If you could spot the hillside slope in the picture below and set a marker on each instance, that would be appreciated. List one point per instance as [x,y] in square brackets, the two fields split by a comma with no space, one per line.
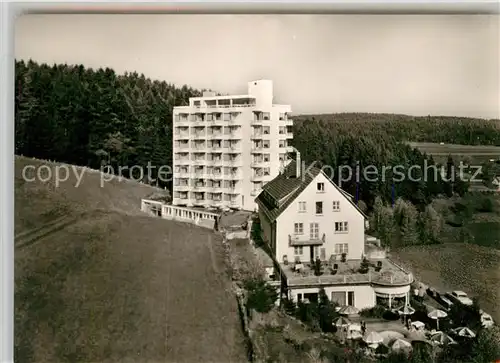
[98,281]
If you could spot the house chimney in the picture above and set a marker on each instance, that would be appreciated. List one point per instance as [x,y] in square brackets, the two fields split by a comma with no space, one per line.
[298,163]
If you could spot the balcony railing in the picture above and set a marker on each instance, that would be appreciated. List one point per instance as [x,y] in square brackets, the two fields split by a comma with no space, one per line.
[182,146]
[242,105]
[370,277]
[294,240]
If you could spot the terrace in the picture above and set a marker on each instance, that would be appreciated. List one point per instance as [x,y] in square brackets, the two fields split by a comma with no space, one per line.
[389,274]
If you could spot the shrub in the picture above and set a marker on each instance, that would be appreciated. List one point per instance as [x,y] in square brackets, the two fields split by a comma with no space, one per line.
[256,232]
[318,268]
[363,268]
[261,297]
[376,312]
[289,306]
[485,205]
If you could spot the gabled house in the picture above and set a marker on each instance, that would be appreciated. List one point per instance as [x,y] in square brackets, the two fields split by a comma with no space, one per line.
[311,213]
[307,220]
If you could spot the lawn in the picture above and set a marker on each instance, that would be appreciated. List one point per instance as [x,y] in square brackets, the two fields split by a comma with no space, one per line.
[113,285]
[477,154]
[457,266]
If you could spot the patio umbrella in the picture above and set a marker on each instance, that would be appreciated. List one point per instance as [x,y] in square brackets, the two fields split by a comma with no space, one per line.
[354,331]
[401,344]
[437,314]
[406,310]
[341,322]
[442,338]
[464,332]
[348,310]
[373,339]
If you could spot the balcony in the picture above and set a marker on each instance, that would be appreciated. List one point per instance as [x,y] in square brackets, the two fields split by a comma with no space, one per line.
[258,177]
[289,135]
[234,149]
[182,188]
[255,192]
[233,176]
[182,122]
[259,164]
[216,162]
[234,136]
[257,149]
[234,162]
[216,188]
[199,202]
[305,240]
[183,174]
[215,136]
[289,122]
[199,136]
[181,136]
[182,147]
[234,191]
[199,161]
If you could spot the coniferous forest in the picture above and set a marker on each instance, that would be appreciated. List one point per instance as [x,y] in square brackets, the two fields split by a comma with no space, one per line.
[87,117]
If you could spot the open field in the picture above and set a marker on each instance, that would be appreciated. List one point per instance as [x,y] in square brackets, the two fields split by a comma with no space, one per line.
[477,154]
[97,281]
[457,266]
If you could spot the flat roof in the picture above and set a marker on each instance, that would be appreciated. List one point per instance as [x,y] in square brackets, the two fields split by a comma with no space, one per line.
[347,273]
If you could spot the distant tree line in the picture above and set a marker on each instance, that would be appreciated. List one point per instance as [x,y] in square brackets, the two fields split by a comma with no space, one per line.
[357,144]
[87,117]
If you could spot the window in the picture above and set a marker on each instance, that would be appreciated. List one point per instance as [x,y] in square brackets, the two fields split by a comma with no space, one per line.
[282,143]
[210,117]
[227,117]
[282,130]
[266,115]
[267,158]
[341,226]
[316,252]
[282,116]
[302,207]
[350,298]
[298,228]
[266,144]
[339,297]
[314,230]
[341,248]
[336,206]
[266,130]
[320,187]
[319,207]
[298,250]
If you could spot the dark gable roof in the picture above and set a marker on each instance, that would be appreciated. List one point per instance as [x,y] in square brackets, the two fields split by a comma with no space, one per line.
[280,192]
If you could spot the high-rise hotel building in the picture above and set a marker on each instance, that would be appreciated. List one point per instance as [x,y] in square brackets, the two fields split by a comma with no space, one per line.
[225,148]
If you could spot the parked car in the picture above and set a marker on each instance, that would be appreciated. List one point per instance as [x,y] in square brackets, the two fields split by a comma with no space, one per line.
[486,319]
[460,297]
[443,300]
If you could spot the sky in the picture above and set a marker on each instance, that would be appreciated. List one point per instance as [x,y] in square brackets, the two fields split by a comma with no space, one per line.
[409,64]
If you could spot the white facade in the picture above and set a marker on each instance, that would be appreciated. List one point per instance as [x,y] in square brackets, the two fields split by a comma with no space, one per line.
[317,220]
[335,209]
[225,148]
